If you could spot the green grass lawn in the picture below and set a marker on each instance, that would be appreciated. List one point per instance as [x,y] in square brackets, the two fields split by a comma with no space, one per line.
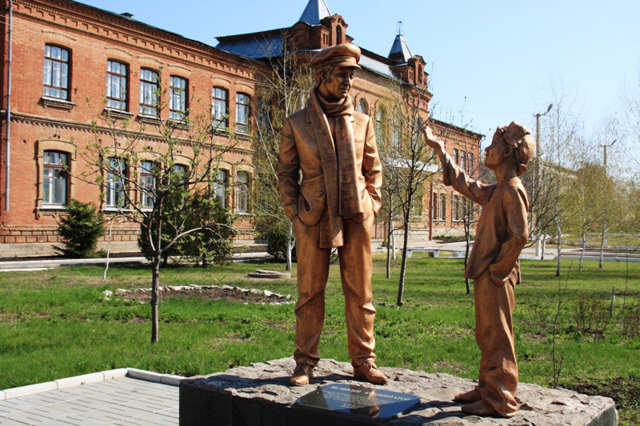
[56,323]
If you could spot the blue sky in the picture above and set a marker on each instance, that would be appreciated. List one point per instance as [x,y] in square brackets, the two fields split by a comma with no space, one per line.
[501,56]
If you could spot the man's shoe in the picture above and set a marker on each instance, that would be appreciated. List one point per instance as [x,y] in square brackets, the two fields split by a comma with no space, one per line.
[370,373]
[301,375]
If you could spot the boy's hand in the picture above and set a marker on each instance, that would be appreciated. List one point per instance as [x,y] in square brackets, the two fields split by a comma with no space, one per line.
[433,141]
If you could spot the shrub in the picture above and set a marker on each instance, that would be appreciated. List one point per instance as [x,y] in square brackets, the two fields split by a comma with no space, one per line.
[80,229]
[210,245]
[277,242]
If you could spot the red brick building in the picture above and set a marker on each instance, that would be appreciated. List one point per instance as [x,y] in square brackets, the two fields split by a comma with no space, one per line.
[65,63]
[71,63]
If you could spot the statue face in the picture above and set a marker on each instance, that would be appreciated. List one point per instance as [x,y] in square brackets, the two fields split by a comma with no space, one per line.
[337,84]
[495,153]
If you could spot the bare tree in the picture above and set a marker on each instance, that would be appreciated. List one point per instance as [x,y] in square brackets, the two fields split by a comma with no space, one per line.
[283,91]
[150,174]
[410,156]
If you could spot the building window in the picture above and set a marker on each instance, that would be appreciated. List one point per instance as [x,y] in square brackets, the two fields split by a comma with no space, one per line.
[362,106]
[220,188]
[242,113]
[56,72]
[116,85]
[443,207]
[264,115]
[463,160]
[470,163]
[177,98]
[180,172]
[242,192]
[380,118]
[116,172]
[149,81]
[54,179]
[338,35]
[220,107]
[455,202]
[147,184]
[417,203]
[456,156]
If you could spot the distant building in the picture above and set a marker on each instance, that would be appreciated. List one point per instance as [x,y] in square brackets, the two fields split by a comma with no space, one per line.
[61,60]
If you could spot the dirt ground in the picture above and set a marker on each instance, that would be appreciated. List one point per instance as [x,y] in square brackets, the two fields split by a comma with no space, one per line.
[204,293]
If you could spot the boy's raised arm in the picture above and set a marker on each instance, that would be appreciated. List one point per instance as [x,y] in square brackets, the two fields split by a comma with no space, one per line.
[452,174]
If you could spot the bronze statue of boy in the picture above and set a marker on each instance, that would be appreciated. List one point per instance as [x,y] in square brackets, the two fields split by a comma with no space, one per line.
[493,264]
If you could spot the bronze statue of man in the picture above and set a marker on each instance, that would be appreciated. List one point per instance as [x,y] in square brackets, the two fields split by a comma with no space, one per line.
[333,147]
[493,264]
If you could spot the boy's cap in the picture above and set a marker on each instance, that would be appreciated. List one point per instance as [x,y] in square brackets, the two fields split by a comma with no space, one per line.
[520,139]
[342,55]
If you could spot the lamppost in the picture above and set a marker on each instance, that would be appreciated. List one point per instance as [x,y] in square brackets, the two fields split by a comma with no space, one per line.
[536,182]
[604,206]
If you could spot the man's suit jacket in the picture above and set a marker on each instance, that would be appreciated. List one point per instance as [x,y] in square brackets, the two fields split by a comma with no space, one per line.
[300,151]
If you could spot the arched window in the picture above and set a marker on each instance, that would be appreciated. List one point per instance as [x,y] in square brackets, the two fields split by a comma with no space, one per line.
[242,192]
[114,183]
[220,102]
[177,97]
[420,73]
[443,207]
[220,187]
[117,85]
[338,34]
[147,184]
[242,112]
[56,72]
[381,116]
[149,81]
[362,106]
[54,179]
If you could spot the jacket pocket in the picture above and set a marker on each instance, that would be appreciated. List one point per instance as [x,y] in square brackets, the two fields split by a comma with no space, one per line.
[311,201]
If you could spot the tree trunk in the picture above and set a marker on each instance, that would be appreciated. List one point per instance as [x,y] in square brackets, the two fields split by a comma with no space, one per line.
[289,247]
[389,247]
[467,234]
[603,242]
[155,293]
[405,246]
[559,267]
[584,246]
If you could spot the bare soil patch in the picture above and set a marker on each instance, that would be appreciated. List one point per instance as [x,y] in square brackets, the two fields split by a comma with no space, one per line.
[206,293]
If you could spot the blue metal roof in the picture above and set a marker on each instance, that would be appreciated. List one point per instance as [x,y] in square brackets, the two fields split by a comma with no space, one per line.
[400,48]
[261,46]
[315,12]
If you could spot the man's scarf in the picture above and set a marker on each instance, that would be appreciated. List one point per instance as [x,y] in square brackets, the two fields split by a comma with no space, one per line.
[340,174]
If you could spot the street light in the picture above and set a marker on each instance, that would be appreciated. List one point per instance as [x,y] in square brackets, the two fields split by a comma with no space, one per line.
[604,212]
[536,181]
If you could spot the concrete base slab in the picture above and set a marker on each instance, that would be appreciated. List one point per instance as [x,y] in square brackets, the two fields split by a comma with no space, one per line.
[260,395]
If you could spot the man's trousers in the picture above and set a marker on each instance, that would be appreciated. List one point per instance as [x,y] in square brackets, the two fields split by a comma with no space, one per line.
[355,271]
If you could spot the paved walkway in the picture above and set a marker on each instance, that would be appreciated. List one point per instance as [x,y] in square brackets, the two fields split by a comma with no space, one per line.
[122,401]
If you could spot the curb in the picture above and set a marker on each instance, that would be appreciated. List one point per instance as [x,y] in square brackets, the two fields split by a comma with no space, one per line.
[85,379]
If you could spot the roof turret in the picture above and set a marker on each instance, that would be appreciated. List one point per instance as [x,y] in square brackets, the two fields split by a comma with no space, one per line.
[315,12]
[399,51]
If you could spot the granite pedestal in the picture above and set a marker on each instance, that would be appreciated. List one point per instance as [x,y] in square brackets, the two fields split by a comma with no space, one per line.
[259,395]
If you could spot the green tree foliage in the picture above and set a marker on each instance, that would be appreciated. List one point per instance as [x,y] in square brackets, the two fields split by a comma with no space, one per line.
[80,229]
[210,243]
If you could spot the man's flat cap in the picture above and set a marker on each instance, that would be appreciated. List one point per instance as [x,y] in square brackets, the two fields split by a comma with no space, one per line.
[342,55]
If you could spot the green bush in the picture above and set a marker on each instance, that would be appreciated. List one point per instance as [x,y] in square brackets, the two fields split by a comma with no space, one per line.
[80,229]
[277,242]
[210,245]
